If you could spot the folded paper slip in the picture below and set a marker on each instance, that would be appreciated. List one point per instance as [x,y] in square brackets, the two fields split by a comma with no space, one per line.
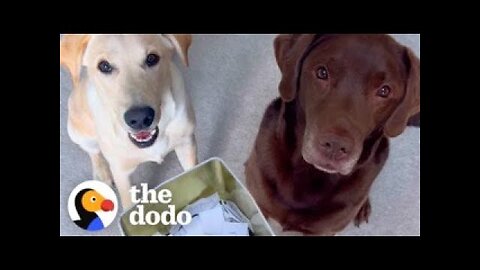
[213,216]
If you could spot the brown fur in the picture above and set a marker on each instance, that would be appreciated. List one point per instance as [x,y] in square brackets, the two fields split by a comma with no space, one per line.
[300,195]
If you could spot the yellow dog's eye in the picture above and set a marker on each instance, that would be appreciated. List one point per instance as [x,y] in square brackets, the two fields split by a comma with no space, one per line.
[105,67]
[152,59]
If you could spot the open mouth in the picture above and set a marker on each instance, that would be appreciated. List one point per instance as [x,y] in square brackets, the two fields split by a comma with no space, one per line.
[144,138]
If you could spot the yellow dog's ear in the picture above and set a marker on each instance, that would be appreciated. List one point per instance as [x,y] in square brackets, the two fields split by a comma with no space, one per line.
[72,48]
[181,42]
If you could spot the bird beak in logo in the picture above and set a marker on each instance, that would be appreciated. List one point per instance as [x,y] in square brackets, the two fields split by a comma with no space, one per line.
[107,205]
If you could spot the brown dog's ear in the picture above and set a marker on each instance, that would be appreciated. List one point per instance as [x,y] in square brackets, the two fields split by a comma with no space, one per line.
[410,104]
[72,48]
[181,44]
[288,51]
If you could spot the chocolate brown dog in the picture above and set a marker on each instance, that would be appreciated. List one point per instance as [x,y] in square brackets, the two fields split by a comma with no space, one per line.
[322,144]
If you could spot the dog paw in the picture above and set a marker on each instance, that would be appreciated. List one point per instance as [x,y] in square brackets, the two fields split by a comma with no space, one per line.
[363,213]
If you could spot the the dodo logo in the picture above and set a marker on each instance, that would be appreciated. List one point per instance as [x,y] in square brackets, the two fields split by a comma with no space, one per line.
[92,205]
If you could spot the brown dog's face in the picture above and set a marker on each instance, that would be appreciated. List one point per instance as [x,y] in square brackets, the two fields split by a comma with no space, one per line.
[349,85]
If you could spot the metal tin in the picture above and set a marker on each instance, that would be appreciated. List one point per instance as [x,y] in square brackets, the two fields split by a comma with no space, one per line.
[201,181]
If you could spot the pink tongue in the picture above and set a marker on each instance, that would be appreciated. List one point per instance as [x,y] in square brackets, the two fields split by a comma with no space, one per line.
[142,135]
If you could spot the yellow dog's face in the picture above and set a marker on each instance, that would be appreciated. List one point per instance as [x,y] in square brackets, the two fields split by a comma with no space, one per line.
[130,74]
[129,71]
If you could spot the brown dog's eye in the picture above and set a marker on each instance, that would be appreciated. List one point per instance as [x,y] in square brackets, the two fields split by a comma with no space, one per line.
[105,67]
[384,91]
[152,60]
[322,73]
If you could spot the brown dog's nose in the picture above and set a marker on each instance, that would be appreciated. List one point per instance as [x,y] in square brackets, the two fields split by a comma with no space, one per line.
[335,147]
